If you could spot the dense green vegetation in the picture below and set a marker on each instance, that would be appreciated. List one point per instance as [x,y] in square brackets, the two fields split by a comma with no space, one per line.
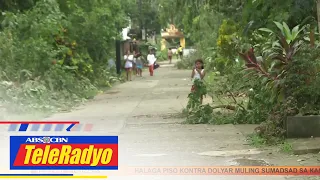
[262,58]
[54,53]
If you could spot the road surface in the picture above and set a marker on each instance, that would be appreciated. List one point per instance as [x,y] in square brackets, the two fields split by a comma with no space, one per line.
[141,113]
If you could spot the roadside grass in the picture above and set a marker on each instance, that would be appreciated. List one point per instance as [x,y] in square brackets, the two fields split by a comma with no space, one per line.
[286,147]
[259,142]
[256,141]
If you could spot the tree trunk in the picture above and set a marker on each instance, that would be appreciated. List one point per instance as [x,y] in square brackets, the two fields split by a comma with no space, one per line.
[312,38]
[318,13]
[172,18]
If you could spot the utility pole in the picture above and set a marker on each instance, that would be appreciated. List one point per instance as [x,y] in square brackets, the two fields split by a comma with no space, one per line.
[171,17]
[140,18]
[318,14]
[118,56]
[118,52]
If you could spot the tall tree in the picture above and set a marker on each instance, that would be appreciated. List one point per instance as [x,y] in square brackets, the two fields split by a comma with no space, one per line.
[318,14]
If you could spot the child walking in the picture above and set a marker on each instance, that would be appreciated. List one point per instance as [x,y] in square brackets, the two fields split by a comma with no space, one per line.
[197,74]
[139,64]
[128,65]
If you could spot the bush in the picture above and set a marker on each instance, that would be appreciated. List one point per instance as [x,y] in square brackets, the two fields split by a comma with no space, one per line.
[162,55]
[303,80]
[302,94]
[54,55]
[226,46]
[188,62]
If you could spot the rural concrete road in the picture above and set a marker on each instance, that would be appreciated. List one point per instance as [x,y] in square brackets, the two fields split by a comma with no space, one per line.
[140,113]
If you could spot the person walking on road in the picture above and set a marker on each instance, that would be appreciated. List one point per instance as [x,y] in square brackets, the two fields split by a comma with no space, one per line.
[180,52]
[128,65]
[197,75]
[151,60]
[170,55]
[139,64]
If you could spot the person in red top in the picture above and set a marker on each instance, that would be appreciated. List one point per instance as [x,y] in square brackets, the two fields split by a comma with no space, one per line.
[151,60]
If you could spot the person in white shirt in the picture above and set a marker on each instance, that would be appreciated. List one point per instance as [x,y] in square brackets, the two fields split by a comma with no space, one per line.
[128,65]
[198,73]
[151,60]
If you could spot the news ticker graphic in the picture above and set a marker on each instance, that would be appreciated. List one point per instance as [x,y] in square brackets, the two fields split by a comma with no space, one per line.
[226,170]
[200,171]
[64,153]
[49,176]
[47,126]
[51,127]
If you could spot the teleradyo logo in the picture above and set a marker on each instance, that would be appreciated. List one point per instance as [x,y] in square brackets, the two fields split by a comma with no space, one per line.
[46,140]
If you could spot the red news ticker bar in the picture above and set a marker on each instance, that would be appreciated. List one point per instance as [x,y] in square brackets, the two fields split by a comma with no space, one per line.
[39,122]
[227,170]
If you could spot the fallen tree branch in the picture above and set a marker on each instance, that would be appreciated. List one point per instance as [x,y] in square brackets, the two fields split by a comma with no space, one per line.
[235,101]
[232,96]
[233,108]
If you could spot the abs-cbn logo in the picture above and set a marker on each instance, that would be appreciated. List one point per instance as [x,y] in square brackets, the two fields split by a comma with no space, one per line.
[46,140]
